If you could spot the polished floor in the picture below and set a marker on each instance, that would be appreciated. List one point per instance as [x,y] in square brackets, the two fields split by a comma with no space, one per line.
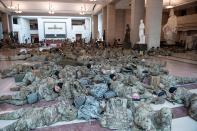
[176,66]
[191,55]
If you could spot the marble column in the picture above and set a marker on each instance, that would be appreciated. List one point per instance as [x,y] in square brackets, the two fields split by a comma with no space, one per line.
[104,21]
[5,25]
[153,22]
[137,13]
[111,21]
[10,22]
[95,26]
[120,24]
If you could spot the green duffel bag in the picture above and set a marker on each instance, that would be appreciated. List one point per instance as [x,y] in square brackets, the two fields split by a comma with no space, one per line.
[19,77]
[32,98]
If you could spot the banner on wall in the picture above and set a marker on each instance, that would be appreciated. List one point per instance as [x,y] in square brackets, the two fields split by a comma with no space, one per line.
[55,30]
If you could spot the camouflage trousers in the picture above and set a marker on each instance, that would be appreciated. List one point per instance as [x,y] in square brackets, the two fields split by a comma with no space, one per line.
[19,98]
[30,118]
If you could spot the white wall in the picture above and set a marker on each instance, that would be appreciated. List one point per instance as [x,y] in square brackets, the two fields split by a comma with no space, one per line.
[25,30]
[84,30]
[23,27]
[42,20]
[71,30]
[33,31]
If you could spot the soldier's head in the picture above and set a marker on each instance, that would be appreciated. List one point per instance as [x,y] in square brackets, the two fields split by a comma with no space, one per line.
[113,76]
[57,74]
[61,75]
[89,66]
[172,89]
[79,74]
[57,88]
[32,68]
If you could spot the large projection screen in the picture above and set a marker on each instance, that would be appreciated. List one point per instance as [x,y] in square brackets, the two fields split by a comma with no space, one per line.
[55,29]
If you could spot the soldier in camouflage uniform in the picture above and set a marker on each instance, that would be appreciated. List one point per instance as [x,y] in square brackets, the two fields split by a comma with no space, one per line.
[48,90]
[19,98]
[12,71]
[162,119]
[117,116]
[146,119]
[28,85]
[30,118]
[72,89]
[142,118]
[171,81]
[193,106]
[44,88]
[127,91]
[69,73]
[90,109]
[183,96]
[28,79]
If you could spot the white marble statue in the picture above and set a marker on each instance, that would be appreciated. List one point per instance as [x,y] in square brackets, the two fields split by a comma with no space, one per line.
[141,33]
[170,29]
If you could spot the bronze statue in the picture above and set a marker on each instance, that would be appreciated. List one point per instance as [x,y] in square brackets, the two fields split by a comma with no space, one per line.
[127,42]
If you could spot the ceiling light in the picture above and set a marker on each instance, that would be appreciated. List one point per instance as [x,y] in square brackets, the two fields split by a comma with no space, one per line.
[82,12]
[92,0]
[11,6]
[169,6]
[18,11]
[51,11]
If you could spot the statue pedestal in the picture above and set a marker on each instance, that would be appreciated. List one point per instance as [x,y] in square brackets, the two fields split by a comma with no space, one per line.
[140,47]
[127,45]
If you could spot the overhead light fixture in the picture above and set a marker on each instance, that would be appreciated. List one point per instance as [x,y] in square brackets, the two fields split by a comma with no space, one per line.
[18,11]
[82,13]
[92,0]
[51,10]
[169,6]
[83,10]
[11,7]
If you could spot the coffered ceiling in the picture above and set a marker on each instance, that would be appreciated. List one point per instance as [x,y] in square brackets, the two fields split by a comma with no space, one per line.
[72,7]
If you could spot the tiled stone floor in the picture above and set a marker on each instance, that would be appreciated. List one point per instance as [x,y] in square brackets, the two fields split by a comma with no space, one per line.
[191,55]
[82,126]
[180,67]
[181,121]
